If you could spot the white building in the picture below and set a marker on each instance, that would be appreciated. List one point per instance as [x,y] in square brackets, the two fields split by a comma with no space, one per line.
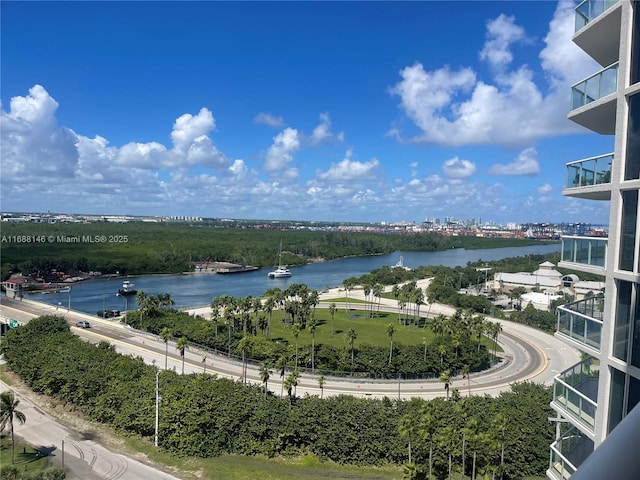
[595,395]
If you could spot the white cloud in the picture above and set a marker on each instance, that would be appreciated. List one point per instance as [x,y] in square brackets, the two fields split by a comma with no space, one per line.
[269,119]
[456,108]
[458,168]
[501,33]
[322,132]
[280,153]
[347,169]
[187,128]
[32,142]
[526,163]
[545,189]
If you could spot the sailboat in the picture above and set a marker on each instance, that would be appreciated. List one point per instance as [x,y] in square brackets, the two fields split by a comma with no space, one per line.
[281,271]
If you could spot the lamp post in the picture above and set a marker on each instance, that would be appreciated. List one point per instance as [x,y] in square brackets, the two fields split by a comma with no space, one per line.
[63,451]
[69,304]
[157,404]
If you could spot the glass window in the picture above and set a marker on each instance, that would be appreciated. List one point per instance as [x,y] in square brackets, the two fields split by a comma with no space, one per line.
[634,393]
[623,320]
[635,44]
[628,229]
[632,165]
[635,314]
[616,403]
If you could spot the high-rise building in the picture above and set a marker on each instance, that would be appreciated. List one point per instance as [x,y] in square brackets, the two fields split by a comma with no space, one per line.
[595,395]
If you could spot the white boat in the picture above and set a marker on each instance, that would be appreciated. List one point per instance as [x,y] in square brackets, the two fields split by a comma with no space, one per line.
[281,271]
[128,288]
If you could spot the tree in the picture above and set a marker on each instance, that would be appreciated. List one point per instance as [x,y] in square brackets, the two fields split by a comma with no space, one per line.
[295,330]
[391,330]
[445,377]
[281,366]
[332,311]
[321,382]
[265,373]
[9,411]
[350,338]
[312,328]
[243,345]
[466,373]
[166,335]
[181,345]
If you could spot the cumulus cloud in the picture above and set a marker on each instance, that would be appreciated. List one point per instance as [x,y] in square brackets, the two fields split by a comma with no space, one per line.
[187,128]
[526,163]
[501,33]
[280,153]
[322,132]
[269,119]
[32,142]
[348,169]
[458,168]
[454,108]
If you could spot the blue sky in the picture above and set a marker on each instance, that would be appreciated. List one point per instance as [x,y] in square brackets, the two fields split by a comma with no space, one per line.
[327,111]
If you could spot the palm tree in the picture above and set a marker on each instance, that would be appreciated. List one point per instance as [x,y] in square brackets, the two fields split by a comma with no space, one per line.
[407,428]
[243,345]
[321,382]
[204,364]
[391,330]
[166,335]
[445,377]
[466,373]
[181,345]
[295,330]
[350,338]
[9,411]
[332,311]
[442,350]
[312,328]
[265,373]
[281,366]
[428,427]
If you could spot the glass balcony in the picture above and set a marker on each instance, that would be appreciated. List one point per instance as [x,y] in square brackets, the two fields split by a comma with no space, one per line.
[591,251]
[600,85]
[582,321]
[575,392]
[568,453]
[589,172]
[589,10]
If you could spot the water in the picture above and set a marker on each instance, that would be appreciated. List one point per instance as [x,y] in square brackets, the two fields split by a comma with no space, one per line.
[198,289]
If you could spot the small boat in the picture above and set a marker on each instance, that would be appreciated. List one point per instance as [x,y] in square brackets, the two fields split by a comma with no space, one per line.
[128,288]
[281,271]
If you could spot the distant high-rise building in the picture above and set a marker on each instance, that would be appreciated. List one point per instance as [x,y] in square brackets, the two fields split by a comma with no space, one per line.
[595,395]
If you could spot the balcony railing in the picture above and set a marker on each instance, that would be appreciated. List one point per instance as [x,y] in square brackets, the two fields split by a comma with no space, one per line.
[589,10]
[568,453]
[589,172]
[590,251]
[595,87]
[582,321]
[575,392]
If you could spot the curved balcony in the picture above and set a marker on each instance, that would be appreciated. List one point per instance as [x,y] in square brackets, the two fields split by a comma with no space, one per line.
[575,392]
[593,101]
[589,178]
[581,323]
[587,254]
[568,453]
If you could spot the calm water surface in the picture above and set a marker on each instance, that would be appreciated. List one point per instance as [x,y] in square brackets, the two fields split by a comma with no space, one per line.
[198,289]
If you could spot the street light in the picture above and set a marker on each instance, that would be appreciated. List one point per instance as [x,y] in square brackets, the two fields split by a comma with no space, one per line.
[157,403]
[69,304]
[63,451]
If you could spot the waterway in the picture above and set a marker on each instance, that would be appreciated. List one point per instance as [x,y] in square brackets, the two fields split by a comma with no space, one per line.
[197,289]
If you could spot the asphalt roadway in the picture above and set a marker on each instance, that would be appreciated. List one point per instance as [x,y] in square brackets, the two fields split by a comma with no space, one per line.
[529,355]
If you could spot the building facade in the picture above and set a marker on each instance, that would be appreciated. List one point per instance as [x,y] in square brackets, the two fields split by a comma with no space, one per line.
[594,396]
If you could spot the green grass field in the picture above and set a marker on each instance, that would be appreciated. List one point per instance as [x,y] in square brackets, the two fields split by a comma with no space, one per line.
[25,455]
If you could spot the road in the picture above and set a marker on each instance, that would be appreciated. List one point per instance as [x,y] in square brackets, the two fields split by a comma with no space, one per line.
[528,355]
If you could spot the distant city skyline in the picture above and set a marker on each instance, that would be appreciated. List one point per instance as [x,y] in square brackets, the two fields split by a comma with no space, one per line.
[312,111]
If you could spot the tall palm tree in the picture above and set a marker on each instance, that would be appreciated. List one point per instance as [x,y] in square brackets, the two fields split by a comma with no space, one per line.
[407,428]
[181,345]
[281,366]
[350,338]
[166,335]
[295,330]
[391,330]
[445,377]
[243,345]
[466,373]
[321,382]
[9,411]
[428,427]
[332,311]
[312,328]
[265,373]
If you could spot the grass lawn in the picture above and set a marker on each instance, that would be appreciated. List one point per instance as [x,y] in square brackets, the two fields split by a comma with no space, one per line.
[25,455]
[370,330]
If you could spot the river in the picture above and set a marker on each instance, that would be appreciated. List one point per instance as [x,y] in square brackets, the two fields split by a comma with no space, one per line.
[197,289]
